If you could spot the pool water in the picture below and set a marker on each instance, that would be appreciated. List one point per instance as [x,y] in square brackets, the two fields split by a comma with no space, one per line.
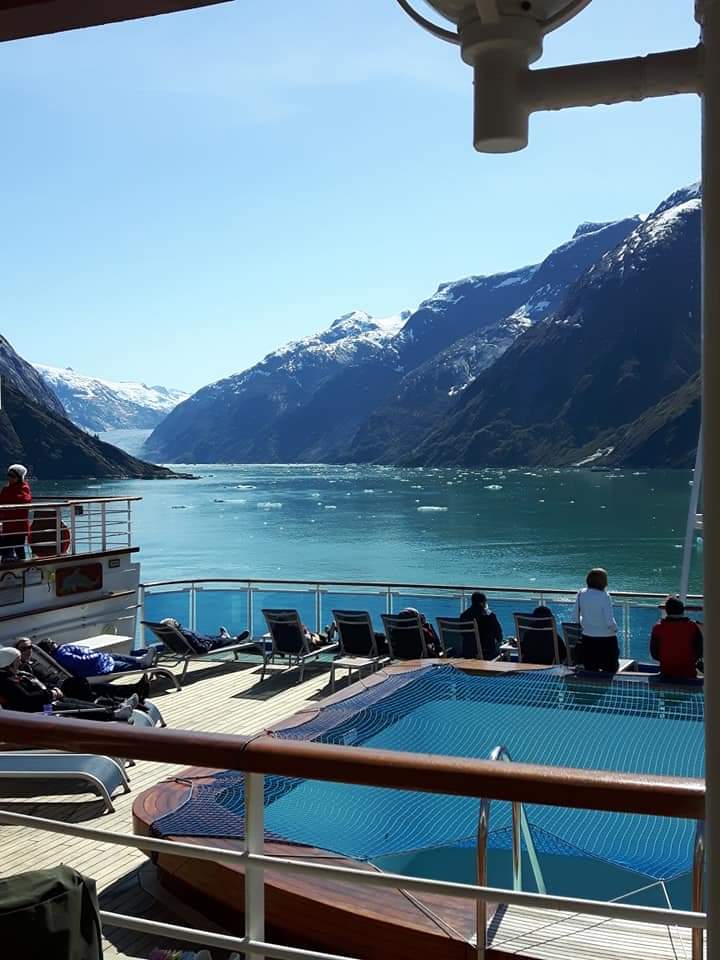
[540,717]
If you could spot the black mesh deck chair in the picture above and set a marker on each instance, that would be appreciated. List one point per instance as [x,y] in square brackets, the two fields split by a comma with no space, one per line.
[290,641]
[178,649]
[572,634]
[405,636]
[460,638]
[537,639]
[358,644]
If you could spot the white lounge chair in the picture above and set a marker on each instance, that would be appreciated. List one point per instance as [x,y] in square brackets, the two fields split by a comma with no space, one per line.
[101,775]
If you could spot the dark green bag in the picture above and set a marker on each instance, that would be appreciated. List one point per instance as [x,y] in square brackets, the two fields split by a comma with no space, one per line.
[50,915]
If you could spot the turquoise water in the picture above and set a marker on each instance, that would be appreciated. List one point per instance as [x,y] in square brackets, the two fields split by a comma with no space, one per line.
[485,527]
[539,718]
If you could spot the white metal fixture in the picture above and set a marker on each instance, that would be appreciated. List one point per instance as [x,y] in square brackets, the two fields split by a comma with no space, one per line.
[499,39]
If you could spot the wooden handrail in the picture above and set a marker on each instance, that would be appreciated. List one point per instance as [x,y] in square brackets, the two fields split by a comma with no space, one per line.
[457,776]
[388,585]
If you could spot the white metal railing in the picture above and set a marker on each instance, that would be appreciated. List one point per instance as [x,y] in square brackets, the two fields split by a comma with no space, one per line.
[72,526]
[315,598]
[254,863]
[263,755]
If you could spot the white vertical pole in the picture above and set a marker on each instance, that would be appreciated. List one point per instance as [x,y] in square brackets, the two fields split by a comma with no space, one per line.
[691,528]
[709,14]
[254,843]
[73,531]
[103,525]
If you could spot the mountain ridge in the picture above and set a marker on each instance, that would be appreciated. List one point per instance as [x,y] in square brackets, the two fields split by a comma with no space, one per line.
[98,404]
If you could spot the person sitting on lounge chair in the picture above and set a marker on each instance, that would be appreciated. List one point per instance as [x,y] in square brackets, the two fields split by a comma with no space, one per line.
[81,661]
[77,688]
[677,642]
[537,644]
[23,692]
[432,641]
[489,629]
[202,642]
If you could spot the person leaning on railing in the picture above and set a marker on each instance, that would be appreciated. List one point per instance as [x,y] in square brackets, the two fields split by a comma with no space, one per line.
[676,642]
[594,613]
[15,523]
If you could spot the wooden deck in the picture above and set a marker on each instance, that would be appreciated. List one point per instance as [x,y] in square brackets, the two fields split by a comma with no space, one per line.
[228,698]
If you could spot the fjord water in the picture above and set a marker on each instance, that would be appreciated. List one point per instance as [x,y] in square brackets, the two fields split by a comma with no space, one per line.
[519,527]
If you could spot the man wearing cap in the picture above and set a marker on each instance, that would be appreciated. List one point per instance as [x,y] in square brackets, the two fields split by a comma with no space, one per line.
[15,524]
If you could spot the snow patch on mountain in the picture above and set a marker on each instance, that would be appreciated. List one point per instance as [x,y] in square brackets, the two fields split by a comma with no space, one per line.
[97,404]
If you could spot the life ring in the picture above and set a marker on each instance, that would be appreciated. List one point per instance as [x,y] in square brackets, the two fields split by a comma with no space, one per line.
[43,535]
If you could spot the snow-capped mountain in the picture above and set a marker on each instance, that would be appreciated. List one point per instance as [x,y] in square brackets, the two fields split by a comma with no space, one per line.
[407,390]
[237,419]
[614,369]
[480,318]
[97,405]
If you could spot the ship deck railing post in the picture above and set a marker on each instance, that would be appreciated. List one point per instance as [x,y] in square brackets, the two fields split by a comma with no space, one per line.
[254,843]
[708,14]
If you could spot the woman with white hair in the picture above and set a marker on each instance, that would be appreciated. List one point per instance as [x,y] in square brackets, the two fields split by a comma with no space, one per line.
[15,523]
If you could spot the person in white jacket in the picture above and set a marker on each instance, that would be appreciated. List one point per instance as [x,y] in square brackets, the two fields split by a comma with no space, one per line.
[594,613]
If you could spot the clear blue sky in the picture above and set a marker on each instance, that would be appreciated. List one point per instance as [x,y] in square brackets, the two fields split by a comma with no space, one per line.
[181,195]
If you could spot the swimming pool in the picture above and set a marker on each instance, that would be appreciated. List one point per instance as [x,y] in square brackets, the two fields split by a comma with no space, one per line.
[540,716]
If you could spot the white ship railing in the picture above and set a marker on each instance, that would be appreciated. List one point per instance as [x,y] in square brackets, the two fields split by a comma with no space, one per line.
[635,611]
[600,790]
[72,527]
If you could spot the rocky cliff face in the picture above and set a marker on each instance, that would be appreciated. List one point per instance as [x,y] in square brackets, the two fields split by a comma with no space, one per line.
[53,448]
[25,378]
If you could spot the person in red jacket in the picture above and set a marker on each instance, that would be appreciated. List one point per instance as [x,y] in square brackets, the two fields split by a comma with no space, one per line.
[677,642]
[15,523]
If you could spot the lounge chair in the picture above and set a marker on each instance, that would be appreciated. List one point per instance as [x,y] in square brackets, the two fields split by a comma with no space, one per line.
[289,640]
[150,672]
[358,645]
[101,775]
[537,639]
[460,638]
[572,635]
[405,636]
[180,650]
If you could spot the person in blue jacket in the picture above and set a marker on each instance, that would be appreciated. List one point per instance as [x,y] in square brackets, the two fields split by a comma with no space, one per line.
[81,661]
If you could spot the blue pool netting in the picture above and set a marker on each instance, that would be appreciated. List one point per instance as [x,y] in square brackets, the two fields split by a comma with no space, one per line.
[540,717]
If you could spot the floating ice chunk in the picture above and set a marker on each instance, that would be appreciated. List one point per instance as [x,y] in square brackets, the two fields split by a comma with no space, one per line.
[330,506]
[432,509]
[269,505]
[245,486]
